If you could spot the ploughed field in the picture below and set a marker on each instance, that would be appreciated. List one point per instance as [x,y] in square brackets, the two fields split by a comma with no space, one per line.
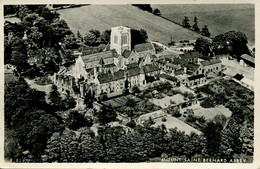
[218,17]
[103,17]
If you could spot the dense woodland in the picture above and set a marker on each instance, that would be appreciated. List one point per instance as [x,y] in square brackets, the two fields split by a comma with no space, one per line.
[36,130]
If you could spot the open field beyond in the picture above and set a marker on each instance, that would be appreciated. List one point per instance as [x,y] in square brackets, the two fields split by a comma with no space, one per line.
[103,17]
[219,18]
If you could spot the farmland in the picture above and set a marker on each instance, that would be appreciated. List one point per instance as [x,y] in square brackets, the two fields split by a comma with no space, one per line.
[218,17]
[102,17]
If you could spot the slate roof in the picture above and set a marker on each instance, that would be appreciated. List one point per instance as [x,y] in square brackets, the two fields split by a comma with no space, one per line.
[248,58]
[126,53]
[97,56]
[168,77]
[190,55]
[196,77]
[210,62]
[143,47]
[133,71]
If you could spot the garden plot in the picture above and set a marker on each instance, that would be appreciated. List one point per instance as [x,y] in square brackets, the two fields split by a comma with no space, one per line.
[168,100]
[173,122]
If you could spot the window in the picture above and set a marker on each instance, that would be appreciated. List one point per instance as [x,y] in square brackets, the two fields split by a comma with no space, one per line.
[115,39]
[124,39]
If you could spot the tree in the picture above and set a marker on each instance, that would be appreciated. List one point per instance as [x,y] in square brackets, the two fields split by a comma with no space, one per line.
[136,89]
[68,103]
[79,37]
[89,99]
[203,46]
[90,39]
[157,12]
[212,132]
[54,97]
[208,102]
[19,60]
[138,36]
[195,27]
[105,37]
[76,120]
[63,147]
[106,114]
[232,42]
[185,22]
[130,107]
[205,31]
[145,7]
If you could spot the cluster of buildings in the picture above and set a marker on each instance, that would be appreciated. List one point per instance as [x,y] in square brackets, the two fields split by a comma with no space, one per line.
[121,67]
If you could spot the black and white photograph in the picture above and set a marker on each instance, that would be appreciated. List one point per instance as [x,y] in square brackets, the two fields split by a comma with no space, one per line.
[149,82]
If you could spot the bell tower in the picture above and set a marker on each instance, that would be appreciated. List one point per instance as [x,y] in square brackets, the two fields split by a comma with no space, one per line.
[120,39]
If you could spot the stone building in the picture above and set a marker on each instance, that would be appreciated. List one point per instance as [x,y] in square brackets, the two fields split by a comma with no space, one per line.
[110,72]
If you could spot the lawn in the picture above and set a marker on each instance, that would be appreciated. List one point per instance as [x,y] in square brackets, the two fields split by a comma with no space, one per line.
[210,113]
[219,18]
[173,122]
[103,17]
[168,100]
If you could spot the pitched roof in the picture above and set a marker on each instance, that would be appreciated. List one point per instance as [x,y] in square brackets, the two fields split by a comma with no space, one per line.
[109,65]
[97,56]
[133,71]
[196,77]
[126,53]
[150,68]
[210,62]
[131,65]
[172,65]
[168,77]
[248,58]
[190,55]
[192,67]
[106,77]
[162,61]
[143,47]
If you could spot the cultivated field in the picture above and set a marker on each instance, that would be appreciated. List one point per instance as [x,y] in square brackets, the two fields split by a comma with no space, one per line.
[102,17]
[219,18]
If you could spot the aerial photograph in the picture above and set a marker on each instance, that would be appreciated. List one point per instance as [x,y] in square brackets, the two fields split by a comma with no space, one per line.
[129,83]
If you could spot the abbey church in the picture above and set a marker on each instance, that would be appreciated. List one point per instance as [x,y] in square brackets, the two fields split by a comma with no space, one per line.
[111,71]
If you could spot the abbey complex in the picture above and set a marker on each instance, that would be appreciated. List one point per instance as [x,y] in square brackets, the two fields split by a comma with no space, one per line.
[119,68]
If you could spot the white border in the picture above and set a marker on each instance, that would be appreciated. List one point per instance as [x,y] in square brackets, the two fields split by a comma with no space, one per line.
[253,165]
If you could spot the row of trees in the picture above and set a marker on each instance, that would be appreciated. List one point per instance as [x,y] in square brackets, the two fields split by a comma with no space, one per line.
[204,31]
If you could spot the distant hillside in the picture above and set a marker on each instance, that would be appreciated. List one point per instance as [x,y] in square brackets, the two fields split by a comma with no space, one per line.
[219,18]
[102,17]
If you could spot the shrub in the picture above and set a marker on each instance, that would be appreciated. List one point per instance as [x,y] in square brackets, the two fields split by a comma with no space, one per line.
[136,89]
[131,124]
[164,119]
[201,119]
[191,118]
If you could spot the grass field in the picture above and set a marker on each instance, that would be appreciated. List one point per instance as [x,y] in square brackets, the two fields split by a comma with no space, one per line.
[218,17]
[102,17]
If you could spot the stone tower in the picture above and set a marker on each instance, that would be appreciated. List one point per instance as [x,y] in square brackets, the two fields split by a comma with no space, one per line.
[120,39]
